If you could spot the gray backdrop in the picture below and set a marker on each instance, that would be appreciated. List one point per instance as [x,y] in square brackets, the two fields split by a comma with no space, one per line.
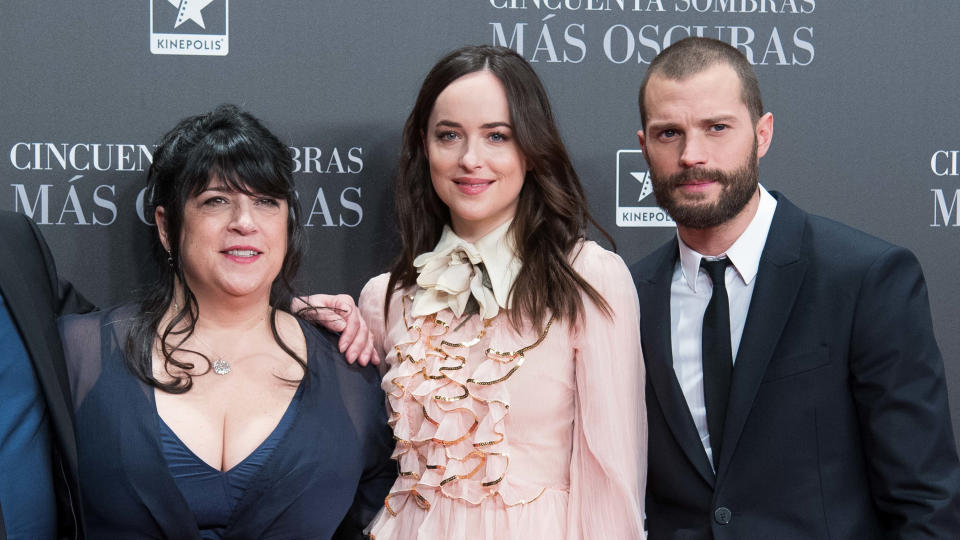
[863,93]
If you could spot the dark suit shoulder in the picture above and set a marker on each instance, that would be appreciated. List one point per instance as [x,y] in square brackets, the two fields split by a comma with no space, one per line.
[12,221]
[829,245]
[22,239]
[846,249]
[646,268]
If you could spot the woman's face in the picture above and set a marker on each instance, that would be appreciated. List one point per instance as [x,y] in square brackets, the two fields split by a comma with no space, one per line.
[231,244]
[476,167]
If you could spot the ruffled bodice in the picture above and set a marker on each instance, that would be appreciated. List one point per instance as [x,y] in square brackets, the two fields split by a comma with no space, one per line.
[490,426]
[449,401]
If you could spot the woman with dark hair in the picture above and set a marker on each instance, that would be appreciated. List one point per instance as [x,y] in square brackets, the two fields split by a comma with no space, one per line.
[515,381]
[209,410]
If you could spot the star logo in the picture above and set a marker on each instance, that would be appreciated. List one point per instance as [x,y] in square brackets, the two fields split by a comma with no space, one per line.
[201,27]
[190,10]
[635,207]
[646,188]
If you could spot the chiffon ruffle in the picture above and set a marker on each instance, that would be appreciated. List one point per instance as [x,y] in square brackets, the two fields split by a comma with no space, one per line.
[450,520]
[545,440]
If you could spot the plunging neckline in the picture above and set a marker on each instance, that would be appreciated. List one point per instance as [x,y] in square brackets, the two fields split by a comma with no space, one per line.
[199,460]
[286,411]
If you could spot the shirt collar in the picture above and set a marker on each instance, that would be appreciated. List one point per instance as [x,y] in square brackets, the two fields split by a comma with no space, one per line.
[500,260]
[439,289]
[745,252]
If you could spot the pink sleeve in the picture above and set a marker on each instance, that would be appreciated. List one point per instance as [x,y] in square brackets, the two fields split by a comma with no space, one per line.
[371,309]
[609,465]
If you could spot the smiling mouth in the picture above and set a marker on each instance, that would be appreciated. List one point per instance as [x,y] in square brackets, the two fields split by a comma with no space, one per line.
[242,252]
[472,186]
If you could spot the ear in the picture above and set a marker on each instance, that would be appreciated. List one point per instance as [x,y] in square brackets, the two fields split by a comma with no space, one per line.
[160,217]
[643,141]
[764,132]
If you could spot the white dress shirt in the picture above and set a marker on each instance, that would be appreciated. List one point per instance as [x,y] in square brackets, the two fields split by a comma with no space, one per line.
[690,292]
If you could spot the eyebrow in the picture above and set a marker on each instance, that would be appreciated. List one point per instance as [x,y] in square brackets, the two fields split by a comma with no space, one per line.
[722,119]
[489,125]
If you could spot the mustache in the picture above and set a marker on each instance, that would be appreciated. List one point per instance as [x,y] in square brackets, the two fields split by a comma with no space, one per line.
[688,175]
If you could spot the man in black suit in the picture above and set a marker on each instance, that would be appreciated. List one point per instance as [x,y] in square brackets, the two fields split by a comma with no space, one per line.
[794,386]
[39,495]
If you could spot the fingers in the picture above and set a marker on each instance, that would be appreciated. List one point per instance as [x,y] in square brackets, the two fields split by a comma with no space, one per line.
[354,333]
[339,313]
[323,309]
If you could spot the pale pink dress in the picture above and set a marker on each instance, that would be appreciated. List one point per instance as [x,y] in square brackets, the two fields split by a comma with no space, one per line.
[491,445]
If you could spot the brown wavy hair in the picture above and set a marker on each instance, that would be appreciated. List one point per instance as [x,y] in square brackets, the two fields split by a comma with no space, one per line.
[551,217]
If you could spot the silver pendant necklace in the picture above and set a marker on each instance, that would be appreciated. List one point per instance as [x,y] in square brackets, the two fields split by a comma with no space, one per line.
[221,366]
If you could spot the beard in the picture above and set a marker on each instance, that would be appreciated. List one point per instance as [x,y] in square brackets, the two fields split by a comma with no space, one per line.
[691,211]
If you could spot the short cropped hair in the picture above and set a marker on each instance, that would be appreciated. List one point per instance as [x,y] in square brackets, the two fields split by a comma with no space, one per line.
[694,55]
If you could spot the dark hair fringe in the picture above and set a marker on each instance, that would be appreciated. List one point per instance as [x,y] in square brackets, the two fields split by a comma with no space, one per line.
[233,146]
[552,214]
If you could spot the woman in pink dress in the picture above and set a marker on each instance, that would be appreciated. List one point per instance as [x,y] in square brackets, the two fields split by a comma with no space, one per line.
[514,374]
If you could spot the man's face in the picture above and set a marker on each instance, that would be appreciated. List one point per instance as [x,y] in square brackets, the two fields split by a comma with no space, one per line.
[702,146]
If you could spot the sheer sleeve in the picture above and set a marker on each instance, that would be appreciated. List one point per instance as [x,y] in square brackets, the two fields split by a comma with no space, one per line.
[371,309]
[82,349]
[359,387]
[608,467]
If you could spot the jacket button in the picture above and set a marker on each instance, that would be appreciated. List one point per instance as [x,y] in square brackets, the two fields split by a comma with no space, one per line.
[722,515]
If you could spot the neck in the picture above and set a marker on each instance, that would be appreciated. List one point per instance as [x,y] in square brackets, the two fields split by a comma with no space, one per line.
[472,232]
[717,240]
[230,314]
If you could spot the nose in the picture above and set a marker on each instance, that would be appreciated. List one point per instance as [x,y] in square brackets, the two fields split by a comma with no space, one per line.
[694,152]
[470,155]
[243,221]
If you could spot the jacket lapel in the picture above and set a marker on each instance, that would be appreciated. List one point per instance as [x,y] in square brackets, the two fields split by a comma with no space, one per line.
[779,279]
[652,277]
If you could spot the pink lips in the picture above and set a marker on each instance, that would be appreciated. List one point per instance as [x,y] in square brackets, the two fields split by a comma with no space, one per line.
[472,186]
[242,254]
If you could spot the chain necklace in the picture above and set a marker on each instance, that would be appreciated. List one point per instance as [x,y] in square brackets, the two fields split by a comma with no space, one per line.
[219,365]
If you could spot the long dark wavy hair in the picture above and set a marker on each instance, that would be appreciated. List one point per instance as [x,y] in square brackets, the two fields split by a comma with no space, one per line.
[551,216]
[232,146]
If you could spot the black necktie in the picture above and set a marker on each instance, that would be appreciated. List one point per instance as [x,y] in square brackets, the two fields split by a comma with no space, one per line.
[717,355]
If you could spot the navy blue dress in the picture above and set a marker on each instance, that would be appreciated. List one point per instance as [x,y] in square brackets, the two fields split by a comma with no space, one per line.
[324,474]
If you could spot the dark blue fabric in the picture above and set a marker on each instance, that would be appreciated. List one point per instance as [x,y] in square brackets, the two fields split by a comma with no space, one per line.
[26,483]
[211,494]
[326,478]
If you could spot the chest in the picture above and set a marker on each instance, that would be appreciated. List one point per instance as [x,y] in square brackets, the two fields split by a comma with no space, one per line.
[533,370]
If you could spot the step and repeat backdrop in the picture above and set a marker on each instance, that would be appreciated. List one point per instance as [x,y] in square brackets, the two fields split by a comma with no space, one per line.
[863,94]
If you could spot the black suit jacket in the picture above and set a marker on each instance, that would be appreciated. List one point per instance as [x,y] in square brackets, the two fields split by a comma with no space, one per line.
[35,298]
[838,425]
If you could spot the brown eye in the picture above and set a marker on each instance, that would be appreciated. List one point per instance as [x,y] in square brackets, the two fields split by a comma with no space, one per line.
[268,201]
[215,201]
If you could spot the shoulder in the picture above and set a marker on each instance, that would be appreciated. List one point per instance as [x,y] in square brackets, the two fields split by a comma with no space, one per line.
[321,343]
[12,222]
[597,265]
[326,359]
[827,243]
[838,248]
[374,291]
[358,386]
[118,318]
[646,268]
[89,338]
[22,244]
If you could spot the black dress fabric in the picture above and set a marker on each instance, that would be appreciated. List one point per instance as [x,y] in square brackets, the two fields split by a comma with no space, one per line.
[326,479]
